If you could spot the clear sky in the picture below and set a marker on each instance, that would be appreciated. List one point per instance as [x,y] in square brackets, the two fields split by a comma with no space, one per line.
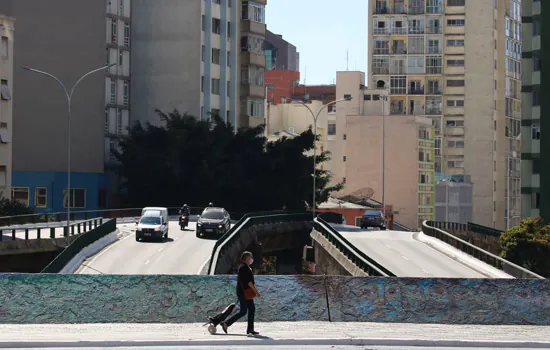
[323,31]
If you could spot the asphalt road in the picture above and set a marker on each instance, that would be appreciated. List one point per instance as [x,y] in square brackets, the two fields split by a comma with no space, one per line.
[405,256]
[182,254]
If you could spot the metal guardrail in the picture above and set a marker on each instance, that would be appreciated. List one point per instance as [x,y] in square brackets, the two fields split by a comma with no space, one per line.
[398,227]
[249,220]
[78,244]
[59,218]
[469,227]
[75,228]
[359,258]
[428,227]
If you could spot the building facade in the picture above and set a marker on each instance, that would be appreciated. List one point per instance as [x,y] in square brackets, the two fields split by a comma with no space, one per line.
[535,190]
[67,47]
[445,60]
[453,199]
[252,64]
[7,34]
[280,54]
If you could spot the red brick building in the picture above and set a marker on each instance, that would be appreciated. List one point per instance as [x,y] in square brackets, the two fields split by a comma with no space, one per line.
[280,84]
[325,93]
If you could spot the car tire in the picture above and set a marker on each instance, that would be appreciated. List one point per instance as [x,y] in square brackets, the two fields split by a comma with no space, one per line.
[383,228]
[197,234]
[137,239]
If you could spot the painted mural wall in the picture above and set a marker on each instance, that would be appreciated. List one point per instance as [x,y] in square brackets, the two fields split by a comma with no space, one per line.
[183,299]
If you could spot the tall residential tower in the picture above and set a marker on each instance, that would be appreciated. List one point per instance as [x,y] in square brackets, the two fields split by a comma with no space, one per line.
[458,62]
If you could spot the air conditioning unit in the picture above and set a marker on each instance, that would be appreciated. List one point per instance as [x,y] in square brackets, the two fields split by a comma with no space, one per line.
[292,129]
[381,83]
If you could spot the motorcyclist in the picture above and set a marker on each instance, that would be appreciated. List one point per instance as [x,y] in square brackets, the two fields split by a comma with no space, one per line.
[210,205]
[185,210]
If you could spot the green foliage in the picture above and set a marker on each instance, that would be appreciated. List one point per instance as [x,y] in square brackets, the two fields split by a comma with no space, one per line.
[528,245]
[10,207]
[196,162]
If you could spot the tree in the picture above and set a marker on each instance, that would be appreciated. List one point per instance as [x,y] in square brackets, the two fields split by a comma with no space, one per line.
[196,162]
[9,207]
[528,245]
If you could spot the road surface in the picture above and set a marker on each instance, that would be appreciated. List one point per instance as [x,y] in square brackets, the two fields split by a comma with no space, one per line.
[403,255]
[182,254]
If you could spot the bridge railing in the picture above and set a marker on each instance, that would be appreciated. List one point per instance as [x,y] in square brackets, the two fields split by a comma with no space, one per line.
[42,231]
[469,227]
[359,258]
[58,219]
[249,220]
[429,228]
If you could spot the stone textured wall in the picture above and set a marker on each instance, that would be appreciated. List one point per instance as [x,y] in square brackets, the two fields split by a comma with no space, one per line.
[183,299]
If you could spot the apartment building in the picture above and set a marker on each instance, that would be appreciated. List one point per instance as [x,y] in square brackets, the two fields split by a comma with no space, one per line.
[67,46]
[362,130]
[252,63]
[203,58]
[7,34]
[280,54]
[458,63]
[535,164]
[117,86]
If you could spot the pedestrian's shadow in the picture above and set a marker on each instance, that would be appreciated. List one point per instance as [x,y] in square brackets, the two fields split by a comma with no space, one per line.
[263,337]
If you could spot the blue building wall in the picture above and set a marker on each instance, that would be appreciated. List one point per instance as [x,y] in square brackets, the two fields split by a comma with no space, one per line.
[56,182]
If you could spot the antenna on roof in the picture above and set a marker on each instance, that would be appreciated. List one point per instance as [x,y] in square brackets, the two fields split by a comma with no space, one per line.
[347,60]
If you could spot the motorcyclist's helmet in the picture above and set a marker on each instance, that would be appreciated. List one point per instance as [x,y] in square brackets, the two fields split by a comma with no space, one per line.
[210,204]
[185,205]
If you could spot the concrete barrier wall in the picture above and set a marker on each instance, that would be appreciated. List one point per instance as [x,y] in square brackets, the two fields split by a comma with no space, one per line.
[184,299]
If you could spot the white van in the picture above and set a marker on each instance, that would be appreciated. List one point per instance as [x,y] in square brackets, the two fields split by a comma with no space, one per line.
[163,211]
[153,224]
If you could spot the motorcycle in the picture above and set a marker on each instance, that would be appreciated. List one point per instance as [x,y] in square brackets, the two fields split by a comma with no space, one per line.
[184,221]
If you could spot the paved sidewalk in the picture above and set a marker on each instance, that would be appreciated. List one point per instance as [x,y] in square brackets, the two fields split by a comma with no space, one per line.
[273,334]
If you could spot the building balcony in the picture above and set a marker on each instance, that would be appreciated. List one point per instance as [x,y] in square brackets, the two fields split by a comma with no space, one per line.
[433,111]
[381,31]
[416,11]
[433,92]
[399,51]
[399,30]
[382,10]
[250,90]
[254,27]
[416,30]
[397,111]
[434,30]
[380,70]
[383,51]
[433,70]
[250,58]
[416,91]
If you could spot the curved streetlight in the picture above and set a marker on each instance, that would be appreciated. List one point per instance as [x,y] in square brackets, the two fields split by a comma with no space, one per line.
[69,99]
[315,116]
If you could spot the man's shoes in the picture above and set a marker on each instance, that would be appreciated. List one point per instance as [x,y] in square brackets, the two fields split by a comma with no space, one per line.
[252,333]
[224,327]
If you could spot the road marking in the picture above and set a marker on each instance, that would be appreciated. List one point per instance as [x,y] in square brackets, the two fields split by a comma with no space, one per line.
[147,262]
[425,271]
[387,246]
[97,256]
[404,257]
[160,250]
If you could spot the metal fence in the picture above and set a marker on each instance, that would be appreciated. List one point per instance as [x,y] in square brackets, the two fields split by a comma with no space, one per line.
[469,227]
[431,228]
[42,231]
[359,258]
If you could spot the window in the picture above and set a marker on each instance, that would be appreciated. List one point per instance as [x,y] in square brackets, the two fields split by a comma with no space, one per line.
[455,123]
[452,82]
[113,91]
[536,63]
[214,112]
[215,86]
[345,137]
[202,53]
[455,42]
[106,121]
[366,97]
[455,144]
[254,44]
[376,97]
[535,132]
[112,158]
[455,63]
[216,26]
[433,64]
[455,22]
[253,11]
[41,197]
[126,34]
[256,108]
[455,164]
[5,90]
[229,29]
[202,83]
[5,47]
[455,103]
[455,2]
[20,194]
[119,122]
[229,58]
[216,56]
[536,166]
[344,158]
[347,96]
[536,26]
[113,31]
[203,22]
[121,8]
[535,97]
[332,129]
[78,198]
[228,89]
[102,198]
[126,93]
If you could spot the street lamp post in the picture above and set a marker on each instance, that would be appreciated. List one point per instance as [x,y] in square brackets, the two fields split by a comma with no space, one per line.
[384,99]
[315,116]
[69,99]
